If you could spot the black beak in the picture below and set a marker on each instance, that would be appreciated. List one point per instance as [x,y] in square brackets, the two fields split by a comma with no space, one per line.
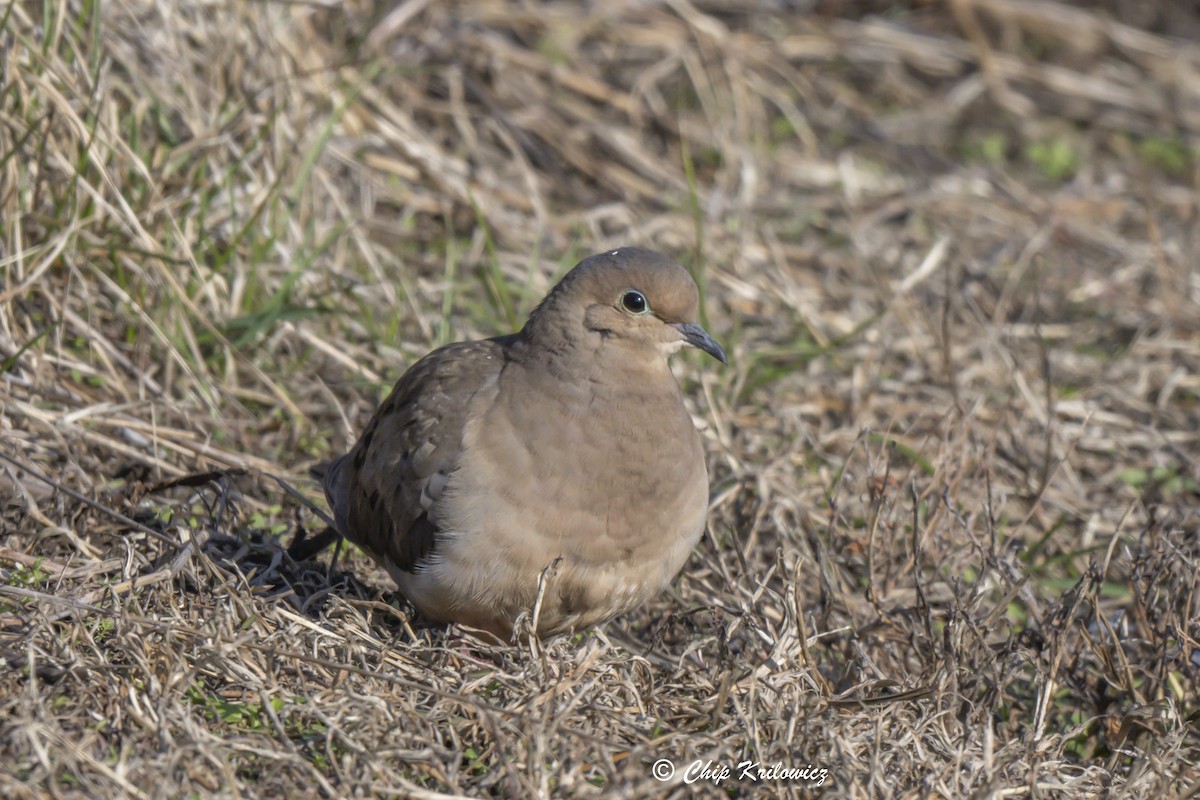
[696,336]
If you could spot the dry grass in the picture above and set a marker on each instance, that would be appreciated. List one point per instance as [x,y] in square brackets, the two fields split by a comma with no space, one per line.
[950,249]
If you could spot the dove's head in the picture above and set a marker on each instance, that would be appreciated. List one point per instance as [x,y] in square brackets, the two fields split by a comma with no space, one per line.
[629,303]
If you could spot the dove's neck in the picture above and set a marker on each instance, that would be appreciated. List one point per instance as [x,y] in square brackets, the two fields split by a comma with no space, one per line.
[590,360]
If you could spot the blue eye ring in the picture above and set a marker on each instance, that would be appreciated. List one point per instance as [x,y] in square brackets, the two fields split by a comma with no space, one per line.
[635,302]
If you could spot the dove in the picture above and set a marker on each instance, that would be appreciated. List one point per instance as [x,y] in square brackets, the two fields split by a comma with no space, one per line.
[556,466]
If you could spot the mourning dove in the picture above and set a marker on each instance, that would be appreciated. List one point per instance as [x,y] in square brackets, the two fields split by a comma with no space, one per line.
[566,443]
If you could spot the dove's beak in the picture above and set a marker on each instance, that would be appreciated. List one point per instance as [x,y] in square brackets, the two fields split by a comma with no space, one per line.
[696,336]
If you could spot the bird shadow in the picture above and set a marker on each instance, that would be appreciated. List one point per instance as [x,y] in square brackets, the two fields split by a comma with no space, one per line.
[281,561]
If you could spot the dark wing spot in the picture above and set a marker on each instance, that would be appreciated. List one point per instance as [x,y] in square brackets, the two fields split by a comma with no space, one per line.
[417,545]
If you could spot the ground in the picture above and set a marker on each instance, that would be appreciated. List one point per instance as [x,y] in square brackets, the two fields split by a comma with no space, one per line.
[949,247]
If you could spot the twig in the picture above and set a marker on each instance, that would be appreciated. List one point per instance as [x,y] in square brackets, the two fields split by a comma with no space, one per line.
[112,512]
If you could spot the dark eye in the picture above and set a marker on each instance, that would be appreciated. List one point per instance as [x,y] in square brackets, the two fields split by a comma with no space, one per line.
[634,302]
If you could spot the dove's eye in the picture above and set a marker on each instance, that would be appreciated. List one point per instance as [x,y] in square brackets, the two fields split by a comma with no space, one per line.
[634,302]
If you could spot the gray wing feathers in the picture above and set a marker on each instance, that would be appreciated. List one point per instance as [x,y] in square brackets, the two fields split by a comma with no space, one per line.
[384,490]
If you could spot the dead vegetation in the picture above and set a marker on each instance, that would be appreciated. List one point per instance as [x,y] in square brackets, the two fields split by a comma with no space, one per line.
[950,249]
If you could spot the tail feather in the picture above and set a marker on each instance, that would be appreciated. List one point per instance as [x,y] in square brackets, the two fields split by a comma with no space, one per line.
[335,479]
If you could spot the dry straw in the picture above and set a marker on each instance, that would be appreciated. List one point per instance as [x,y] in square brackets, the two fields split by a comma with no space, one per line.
[950,248]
